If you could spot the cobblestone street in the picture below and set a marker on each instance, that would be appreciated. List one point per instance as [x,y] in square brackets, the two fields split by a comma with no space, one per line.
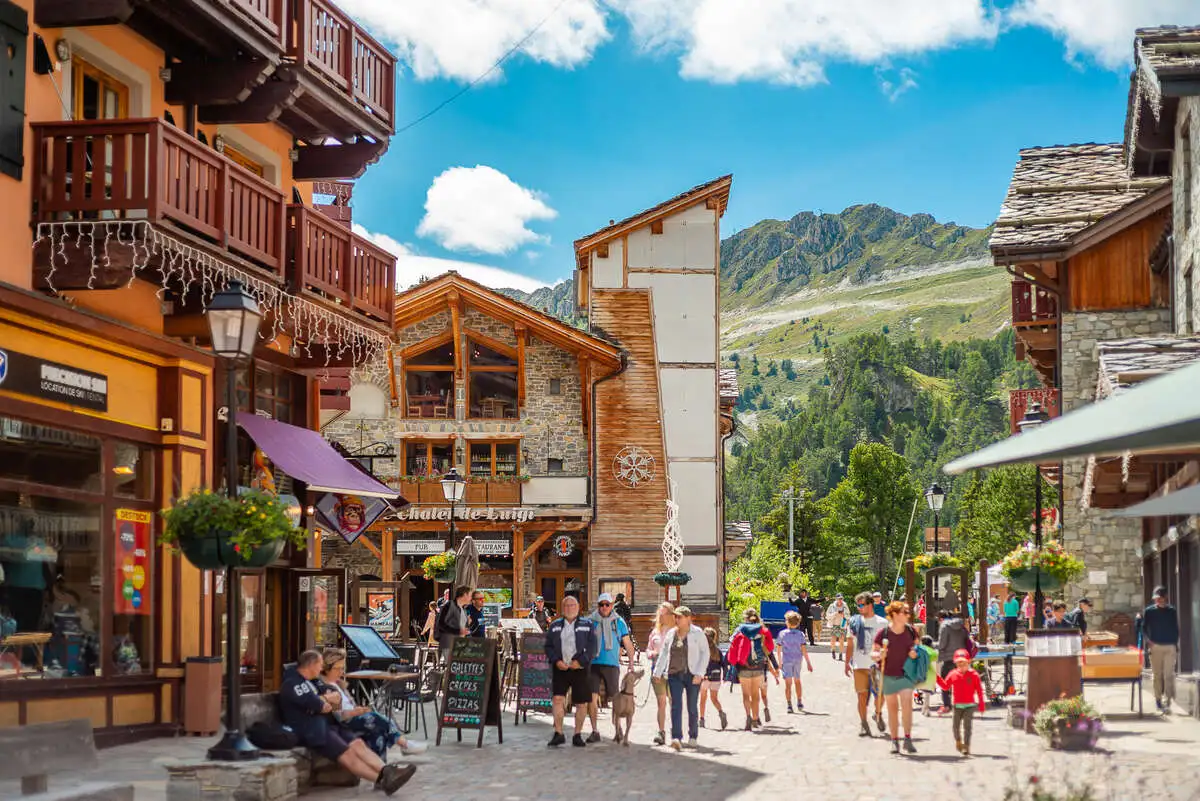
[1153,759]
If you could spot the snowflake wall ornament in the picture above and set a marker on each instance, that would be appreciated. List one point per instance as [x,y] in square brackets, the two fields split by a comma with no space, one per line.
[633,466]
[672,545]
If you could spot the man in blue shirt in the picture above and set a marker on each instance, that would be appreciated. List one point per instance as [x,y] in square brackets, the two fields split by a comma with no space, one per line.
[613,634]
[474,612]
[1160,636]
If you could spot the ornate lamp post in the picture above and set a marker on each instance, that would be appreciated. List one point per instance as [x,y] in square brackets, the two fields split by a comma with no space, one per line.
[1034,417]
[453,487]
[233,319]
[935,496]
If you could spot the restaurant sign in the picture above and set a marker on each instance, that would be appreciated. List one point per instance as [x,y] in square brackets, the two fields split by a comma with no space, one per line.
[420,547]
[506,514]
[36,377]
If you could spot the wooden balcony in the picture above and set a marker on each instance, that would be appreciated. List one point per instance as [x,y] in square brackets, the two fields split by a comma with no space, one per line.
[328,260]
[1019,401]
[1033,305]
[147,170]
[479,492]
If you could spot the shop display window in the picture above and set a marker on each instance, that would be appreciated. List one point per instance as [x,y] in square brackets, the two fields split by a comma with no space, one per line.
[492,459]
[44,455]
[428,458]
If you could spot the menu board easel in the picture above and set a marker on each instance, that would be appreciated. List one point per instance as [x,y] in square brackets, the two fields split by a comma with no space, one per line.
[471,692]
[534,688]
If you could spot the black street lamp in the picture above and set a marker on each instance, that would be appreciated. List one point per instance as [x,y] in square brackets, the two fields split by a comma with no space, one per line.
[935,496]
[233,319]
[453,487]
[1034,417]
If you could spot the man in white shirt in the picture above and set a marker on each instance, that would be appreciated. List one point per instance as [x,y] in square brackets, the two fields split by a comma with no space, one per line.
[859,644]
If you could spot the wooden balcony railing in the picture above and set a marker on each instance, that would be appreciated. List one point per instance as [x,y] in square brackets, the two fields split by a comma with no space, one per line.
[148,170]
[479,492]
[1033,305]
[326,40]
[1019,401]
[267,14]
[328,259]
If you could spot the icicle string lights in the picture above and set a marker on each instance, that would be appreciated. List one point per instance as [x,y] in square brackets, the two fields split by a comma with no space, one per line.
[192,270]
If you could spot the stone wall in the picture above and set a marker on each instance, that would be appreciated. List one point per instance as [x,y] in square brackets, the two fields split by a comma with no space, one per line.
[1187,232]
[1102,543]
[423,329]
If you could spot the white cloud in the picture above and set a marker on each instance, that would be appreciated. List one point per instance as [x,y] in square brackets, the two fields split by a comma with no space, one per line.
[412,267]
[791,41]
[1103,29]
[461,39]
[893,87]
[481,209]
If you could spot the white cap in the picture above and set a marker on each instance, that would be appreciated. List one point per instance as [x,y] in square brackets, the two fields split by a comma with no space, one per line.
[604,596]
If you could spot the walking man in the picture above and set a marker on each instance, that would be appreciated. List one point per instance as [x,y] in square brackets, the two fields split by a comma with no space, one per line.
[613,633]
[863,627]
[452,621]
[837,617]
[571,645]
[539,613]
[804,605]
[1160,633]
[1078,615]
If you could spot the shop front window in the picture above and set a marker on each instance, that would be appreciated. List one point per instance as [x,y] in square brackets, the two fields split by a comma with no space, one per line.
[428,458]
[44,455]
[491,459]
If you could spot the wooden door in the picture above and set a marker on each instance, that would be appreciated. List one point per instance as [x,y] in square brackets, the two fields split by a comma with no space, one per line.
[553,585]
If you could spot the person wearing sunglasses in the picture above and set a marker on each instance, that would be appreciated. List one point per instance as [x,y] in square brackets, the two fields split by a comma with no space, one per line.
[859,663]
[613,633]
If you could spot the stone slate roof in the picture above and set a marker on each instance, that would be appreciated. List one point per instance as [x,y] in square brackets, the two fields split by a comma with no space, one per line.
[1169,49]
[1058,192]
[728,383]
[1124,363]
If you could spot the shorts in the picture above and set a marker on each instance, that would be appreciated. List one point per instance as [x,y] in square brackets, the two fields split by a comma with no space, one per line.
[577,682]
[792,670]
[659,683]
[865,680]
[897,684]
[609,676]
[337,742]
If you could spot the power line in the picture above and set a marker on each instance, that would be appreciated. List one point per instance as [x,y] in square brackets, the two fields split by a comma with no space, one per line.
[490,70]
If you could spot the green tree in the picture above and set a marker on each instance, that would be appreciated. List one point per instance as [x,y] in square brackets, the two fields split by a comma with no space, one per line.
[997,511]
[872,506]
[772,369]
[975,382]
[789,371]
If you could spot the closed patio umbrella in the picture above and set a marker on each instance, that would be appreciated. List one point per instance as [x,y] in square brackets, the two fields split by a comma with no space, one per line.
[466,570]
[1160,415]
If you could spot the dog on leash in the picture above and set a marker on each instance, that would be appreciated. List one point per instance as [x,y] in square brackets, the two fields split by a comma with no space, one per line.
[624,705]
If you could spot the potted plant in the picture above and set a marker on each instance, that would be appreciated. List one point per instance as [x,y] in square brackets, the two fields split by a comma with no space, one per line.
[1050,567]
[1070,724]
[671,578]
[928,561]
[441,567]
[214,531]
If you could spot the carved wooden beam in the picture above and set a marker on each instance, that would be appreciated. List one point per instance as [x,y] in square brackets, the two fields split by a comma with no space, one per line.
[335,162]
[538,543]
[207,83]
[454,302]
[521,334]
[264,104]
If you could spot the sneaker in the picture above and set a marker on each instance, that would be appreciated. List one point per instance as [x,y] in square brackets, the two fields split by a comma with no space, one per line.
[790,710]
[578,741]
[865,731]
[766,714]
[895,746]
[702,723]
[413,747]
[692,742]
[676,745]
[660,738]
[799,706]
[724,720]
[958,746]
[1158,704]
[393,777]
[758,724]
[909,748]
[557,740]
[966,750]
[1166,710]
[879,722]
[594,737]
[749,723]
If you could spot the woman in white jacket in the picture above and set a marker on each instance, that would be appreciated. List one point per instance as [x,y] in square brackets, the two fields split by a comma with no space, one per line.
[683,661]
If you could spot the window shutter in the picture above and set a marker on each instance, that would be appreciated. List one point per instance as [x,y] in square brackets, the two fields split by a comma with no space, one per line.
[14,38]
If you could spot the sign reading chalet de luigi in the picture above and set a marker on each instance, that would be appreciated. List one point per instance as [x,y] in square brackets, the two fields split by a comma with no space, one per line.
[38,378]
[504,514]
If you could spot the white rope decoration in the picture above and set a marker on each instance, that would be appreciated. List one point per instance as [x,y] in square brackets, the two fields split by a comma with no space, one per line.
[192,269]
[672,545]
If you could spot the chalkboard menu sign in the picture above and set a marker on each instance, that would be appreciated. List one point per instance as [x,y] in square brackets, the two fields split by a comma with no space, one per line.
[534,688]
[471,694]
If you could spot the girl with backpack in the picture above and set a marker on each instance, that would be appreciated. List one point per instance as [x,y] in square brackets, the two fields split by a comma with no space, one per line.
[748,651]
[713,678]
[895,647]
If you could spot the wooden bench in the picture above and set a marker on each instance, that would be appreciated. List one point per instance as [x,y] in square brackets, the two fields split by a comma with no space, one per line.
[312,769]
[34,753]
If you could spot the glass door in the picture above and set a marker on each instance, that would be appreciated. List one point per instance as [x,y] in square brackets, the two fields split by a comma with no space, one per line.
[320,598]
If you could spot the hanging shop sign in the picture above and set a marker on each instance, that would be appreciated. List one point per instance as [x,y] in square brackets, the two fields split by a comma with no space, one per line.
[563,546]
[349,515]
[507,514]
[131,558]
[420,547]
[493,547]
[38,378]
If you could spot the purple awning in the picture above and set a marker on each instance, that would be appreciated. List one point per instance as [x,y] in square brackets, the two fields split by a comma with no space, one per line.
[306,456]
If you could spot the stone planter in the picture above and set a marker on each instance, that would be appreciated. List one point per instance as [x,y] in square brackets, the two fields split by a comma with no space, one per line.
[1016,715]
[1068,737]
[1028,580]
[213,551]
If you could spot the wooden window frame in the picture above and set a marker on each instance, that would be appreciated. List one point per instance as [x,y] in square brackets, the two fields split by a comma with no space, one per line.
[406,367]
[427,445]
[509,351]
[492,444]
[240,158]
[82,68]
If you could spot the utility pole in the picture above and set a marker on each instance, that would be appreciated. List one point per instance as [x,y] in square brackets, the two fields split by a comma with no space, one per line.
[789,495]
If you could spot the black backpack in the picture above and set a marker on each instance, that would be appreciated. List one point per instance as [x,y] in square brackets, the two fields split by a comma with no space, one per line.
[439,624]
[272,738]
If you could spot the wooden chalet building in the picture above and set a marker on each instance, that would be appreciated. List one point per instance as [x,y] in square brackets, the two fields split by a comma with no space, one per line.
[152,151]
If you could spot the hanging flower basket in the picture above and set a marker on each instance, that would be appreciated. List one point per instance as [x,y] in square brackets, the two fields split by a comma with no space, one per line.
[928,561]
[671,578]
[442,567]
[214,531]
[1051,566]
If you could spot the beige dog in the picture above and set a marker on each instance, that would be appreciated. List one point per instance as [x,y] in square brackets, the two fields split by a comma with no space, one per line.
[624,705]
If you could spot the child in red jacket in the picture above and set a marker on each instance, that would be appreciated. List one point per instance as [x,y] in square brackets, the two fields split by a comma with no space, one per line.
[966,693]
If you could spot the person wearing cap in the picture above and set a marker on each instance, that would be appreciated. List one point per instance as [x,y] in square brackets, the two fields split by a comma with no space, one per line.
[880,606]
[539,613]
[613,633]
[837,617]
[683,661]
[966,691]
[1160,636]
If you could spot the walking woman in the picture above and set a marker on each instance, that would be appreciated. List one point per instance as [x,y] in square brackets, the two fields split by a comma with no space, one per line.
[427,629]
[713,677]
[748,651]
[377,731]
[682,661]
[664,621]
[895,645]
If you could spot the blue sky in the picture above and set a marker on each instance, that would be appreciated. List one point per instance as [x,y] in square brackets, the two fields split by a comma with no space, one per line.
[614,105]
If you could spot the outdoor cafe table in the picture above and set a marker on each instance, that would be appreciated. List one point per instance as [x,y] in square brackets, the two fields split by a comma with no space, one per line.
[374,685]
